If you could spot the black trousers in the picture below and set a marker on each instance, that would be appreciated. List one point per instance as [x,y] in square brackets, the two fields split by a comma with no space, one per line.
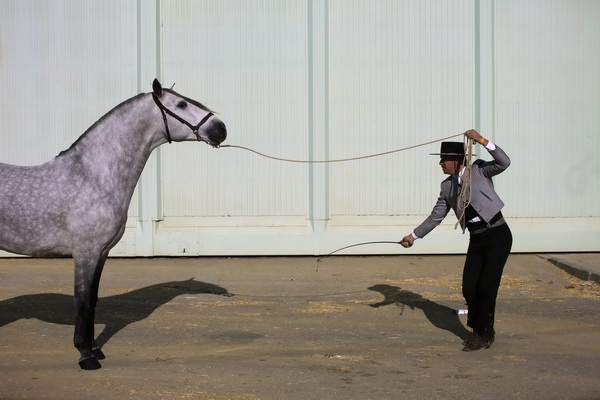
[486,256]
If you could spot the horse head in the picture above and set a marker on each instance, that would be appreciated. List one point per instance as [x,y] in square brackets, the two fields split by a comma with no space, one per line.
[192,286]
[187,119]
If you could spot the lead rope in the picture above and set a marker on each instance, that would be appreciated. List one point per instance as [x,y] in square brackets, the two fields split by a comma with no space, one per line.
[465,194]
[467,176]
[339,160]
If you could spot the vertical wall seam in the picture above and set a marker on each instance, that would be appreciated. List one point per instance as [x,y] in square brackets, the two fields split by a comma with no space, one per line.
[318,111]
[310,99]
[139,45]
[158,41]
[159,186]
[485,71]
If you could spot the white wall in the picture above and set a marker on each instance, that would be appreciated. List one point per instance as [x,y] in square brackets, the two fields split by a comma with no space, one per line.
[320,79]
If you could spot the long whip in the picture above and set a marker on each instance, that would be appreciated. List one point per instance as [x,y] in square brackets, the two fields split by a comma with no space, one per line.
[354,245]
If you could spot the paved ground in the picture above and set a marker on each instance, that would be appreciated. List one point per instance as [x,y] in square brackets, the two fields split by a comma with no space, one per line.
[292,328]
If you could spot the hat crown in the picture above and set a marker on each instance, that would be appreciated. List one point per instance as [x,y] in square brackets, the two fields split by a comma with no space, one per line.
[451,149]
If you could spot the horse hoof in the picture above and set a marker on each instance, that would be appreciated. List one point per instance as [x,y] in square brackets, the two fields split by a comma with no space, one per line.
[98,354]
[89,364]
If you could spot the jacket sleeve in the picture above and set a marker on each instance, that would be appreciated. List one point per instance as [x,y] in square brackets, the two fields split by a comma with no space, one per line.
[499,163]
[439,212]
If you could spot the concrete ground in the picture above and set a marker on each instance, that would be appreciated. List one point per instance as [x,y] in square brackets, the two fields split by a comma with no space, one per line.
[294,328]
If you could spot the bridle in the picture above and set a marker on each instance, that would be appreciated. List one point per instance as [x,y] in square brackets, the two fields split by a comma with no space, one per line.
[164,111]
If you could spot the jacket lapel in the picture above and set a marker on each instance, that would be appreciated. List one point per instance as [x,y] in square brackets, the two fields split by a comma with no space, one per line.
[460,204]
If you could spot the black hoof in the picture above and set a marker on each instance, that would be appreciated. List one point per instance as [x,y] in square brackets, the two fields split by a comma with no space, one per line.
[89,364]
[98,354]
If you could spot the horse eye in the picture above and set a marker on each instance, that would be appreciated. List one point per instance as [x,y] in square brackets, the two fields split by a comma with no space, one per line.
[182,104]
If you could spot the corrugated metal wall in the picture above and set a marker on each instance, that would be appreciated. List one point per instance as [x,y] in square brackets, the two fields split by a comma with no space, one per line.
[547,107]
[320,79]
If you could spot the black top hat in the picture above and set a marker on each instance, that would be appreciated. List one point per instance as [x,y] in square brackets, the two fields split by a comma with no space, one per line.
[451,149]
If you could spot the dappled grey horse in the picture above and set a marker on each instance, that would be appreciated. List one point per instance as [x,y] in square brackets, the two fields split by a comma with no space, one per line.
[76,204]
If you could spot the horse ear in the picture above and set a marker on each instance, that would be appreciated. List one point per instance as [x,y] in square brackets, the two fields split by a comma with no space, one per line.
[157,88]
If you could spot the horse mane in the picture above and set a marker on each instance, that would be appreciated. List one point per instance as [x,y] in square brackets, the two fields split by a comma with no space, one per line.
[191,101]
[99,122]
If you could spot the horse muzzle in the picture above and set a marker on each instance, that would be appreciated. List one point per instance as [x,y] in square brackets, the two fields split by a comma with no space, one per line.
[214,132]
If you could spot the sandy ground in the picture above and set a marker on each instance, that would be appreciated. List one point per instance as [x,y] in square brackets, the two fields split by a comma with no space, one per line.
[292,328]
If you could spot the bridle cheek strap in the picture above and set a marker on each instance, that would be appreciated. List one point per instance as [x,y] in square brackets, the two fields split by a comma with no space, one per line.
[164,111]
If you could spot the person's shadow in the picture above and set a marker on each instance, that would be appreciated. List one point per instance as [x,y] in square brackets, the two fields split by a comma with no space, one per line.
[115,312]
[440,316]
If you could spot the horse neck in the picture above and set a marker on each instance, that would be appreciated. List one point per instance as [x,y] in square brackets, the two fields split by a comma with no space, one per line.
[161,293]
[115,149]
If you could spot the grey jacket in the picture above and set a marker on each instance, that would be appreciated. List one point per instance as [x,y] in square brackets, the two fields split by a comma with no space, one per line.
[484,198]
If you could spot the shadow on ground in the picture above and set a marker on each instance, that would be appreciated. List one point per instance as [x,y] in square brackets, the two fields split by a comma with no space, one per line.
[115,312]
[440,316]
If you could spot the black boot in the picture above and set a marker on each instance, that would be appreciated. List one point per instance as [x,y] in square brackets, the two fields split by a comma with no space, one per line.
[475,342]
[488,336]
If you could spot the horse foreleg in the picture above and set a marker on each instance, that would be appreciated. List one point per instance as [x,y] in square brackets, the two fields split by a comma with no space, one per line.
[87,280]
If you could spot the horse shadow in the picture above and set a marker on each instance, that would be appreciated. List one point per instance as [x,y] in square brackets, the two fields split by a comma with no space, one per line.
[440,316]
[115,312]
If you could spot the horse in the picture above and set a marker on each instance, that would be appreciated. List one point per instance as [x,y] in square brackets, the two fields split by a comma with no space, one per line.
[76,204]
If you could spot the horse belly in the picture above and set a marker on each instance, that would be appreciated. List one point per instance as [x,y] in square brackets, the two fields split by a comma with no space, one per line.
[32,234]
[30,222]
